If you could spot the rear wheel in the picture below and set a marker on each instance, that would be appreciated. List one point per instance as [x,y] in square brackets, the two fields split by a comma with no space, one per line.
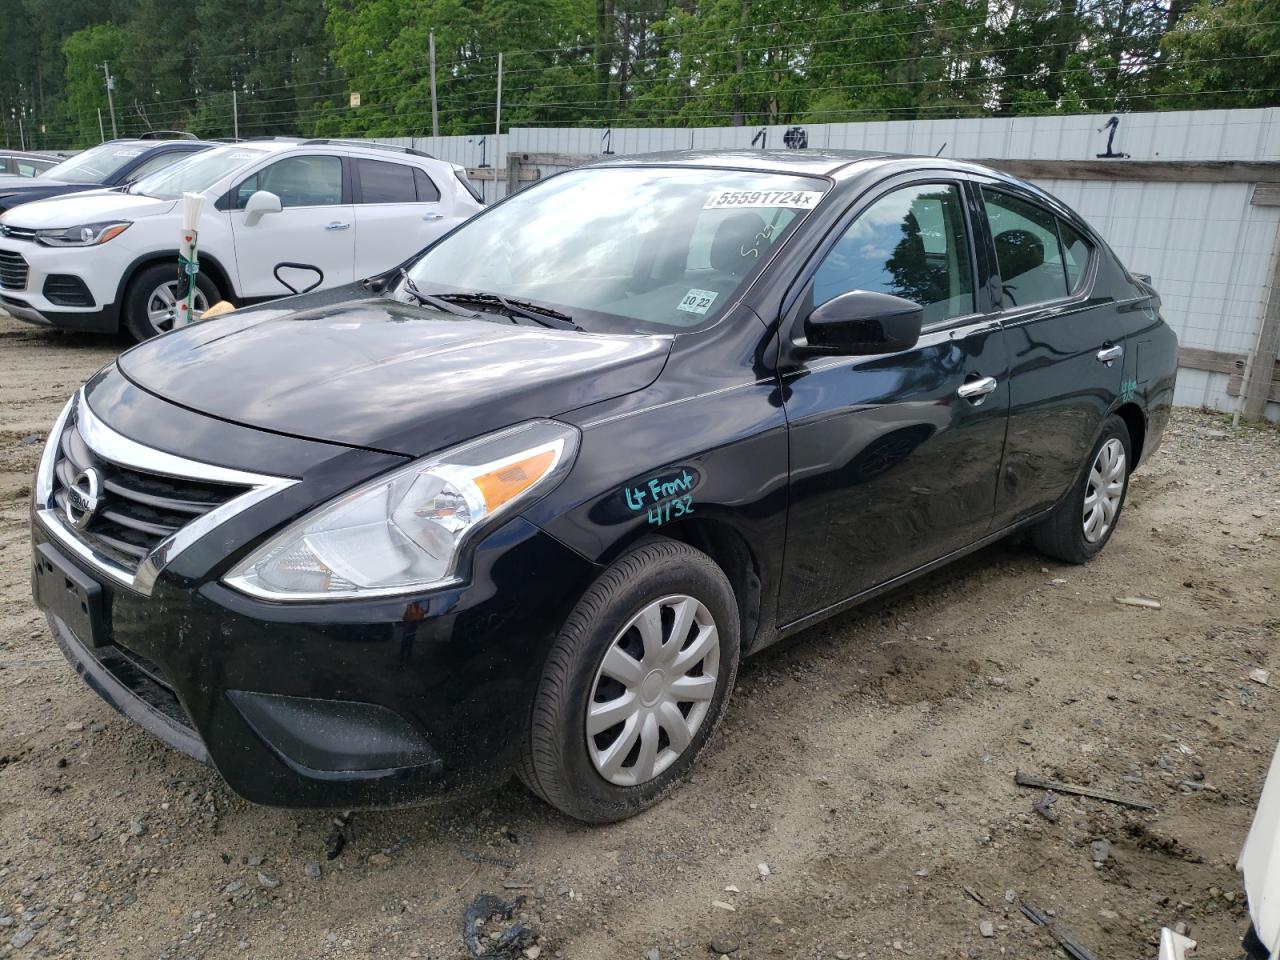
[635,684]
[151,305]
[1081,525]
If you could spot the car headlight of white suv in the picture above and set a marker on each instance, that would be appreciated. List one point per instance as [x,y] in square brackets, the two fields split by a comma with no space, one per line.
[85,235]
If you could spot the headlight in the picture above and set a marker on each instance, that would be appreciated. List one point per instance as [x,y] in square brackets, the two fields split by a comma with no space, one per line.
[405,531]
[87,235]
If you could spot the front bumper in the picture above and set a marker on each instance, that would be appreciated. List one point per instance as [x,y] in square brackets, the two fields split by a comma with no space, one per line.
[25,286]
[353,703]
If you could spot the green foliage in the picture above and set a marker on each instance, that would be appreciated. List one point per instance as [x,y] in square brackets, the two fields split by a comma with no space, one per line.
[292,65]
[85,52]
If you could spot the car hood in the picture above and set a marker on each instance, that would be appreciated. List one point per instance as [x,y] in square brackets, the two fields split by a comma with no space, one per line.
[387,375]
[89,207]
[11,181]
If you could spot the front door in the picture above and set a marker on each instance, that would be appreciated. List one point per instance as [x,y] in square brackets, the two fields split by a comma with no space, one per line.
[315,227]
[895,458]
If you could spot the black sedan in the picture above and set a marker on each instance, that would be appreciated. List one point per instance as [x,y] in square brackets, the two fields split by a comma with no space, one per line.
[525,505]
[112,164]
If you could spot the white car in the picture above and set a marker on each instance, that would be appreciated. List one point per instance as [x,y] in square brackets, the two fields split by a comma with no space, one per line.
[337,211]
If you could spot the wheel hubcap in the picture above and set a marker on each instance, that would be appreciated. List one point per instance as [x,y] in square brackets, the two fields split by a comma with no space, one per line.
[162,305]
[653,690]
[1105,491]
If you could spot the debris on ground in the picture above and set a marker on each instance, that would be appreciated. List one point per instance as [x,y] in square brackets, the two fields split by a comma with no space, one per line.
[336,838]
[495,944]
[1145,602]
[485,858]
[1100,850]
[1258,675]
[1044,806]
[1068,943]
[1056,786]
[976,897]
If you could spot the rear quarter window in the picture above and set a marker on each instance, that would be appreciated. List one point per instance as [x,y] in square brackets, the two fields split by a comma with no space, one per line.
[1076,254]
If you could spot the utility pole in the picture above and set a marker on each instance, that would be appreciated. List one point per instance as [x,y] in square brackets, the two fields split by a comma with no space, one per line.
[22,137]
[431,53]
[102,134]
[111,85]
[497,120]
[235,115]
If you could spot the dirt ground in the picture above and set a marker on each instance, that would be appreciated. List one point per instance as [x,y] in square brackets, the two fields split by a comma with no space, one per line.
[869,766]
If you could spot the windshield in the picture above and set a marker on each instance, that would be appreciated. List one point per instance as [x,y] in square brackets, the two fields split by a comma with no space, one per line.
[656,249]
[96,164]
[197,173]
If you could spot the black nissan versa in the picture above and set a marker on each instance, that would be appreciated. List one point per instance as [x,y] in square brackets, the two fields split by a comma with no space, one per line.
[525,504]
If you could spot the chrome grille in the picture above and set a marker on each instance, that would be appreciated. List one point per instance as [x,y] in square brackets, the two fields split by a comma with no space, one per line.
[17,233]
[138,510]
[13,270]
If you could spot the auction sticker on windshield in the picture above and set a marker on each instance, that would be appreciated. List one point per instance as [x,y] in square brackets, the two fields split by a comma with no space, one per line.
[746,199]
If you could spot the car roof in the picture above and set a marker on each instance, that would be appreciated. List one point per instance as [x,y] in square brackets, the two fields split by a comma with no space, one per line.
[804,162]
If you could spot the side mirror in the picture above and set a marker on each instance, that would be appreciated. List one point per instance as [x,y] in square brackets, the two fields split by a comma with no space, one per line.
[260,203]
[860,323]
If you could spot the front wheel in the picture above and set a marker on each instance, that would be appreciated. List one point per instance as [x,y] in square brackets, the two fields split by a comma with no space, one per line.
[151,305]
[1081,525]
[634,685]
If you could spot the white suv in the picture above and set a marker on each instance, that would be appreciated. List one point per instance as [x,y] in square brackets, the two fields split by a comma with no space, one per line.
[334,211]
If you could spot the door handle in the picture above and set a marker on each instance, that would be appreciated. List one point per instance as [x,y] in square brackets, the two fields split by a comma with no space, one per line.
[336,225]
[433,216]
[977,390]
[1109,355]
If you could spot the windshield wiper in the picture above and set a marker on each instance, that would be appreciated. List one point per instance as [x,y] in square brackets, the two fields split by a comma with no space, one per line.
[514,307]
[428,300]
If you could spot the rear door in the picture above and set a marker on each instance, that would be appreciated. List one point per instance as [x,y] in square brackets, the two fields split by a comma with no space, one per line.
[1059,339]
[398,212]
[892,466]
[313,227]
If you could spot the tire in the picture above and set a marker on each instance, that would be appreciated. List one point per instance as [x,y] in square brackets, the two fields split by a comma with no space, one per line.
[139,307]
[563,764]
[1065,535]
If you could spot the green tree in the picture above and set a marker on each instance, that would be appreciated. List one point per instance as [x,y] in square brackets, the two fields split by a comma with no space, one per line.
[1224,54]
[85,90]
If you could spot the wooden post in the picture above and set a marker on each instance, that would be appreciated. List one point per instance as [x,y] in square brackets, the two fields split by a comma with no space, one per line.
[1262,358]
[513,173]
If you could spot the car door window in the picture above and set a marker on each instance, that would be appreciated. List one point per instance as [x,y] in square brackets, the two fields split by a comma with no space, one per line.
[1076,253]
[26,168]
[910,243]
[428,192]
[1027,251]
[382,182]
[307,181]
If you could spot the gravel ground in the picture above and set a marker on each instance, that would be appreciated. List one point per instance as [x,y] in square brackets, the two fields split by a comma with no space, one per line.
[861,785]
